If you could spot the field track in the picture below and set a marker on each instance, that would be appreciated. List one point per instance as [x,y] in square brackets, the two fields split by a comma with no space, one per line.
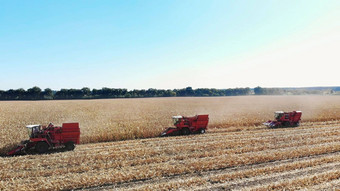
[257,158]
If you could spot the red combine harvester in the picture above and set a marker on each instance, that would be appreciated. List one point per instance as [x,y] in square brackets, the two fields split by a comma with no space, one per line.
[187,125]
[285,119]
[43,138]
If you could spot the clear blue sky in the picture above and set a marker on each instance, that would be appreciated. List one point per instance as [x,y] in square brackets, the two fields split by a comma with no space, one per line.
[169,44]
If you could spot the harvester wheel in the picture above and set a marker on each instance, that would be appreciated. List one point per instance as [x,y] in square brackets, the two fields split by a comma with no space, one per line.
[202,131]
[69,146]
[185,131]
[41,147]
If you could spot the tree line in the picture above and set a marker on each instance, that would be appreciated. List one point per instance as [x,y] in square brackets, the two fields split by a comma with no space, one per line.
[36,93]
[296,91]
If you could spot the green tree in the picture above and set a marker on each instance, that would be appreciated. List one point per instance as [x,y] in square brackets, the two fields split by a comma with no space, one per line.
[86,92]
[48,93]
[189,91]
[34,93]
[258,90]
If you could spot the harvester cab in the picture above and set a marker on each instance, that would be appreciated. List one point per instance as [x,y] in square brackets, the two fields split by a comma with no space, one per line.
[187,125]
[33,130]
[176,119]
[278,114]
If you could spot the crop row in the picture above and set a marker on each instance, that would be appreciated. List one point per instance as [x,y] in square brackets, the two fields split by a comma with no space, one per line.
[112,175]
[228,178]
[304,181]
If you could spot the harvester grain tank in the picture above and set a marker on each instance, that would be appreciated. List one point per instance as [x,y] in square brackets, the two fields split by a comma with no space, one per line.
[285,119]
[187,125]
[44,138]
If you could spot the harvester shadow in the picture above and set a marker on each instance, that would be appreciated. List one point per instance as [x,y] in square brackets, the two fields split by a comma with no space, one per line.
[32,152]
[52,151]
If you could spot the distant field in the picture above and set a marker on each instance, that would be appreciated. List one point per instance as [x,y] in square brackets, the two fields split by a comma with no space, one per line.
[122,119]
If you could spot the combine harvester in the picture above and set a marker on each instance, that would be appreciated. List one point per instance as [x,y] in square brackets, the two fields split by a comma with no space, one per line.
[187,125]
[285,119]
[44,138]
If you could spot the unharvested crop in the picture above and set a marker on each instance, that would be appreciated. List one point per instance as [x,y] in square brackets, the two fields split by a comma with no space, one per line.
[124,119]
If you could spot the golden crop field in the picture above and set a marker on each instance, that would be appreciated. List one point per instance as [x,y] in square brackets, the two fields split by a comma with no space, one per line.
[237,152]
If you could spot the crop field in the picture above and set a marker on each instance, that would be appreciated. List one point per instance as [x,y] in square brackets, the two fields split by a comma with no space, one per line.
[236,153]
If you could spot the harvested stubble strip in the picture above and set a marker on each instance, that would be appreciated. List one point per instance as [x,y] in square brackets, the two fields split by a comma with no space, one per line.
[221,149]
[114,146]
[128,173]
[302,182]
[227,176]
[304,126]
[175,185]
[92,166]
[247,147]
[220,146]
[80,164]
[255,148]
[156,151]
[329,185]
[228,161]
[276,177]
[230,136]
[253,182]
[187,141]
[273,169]
[213,144]
[264,133]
